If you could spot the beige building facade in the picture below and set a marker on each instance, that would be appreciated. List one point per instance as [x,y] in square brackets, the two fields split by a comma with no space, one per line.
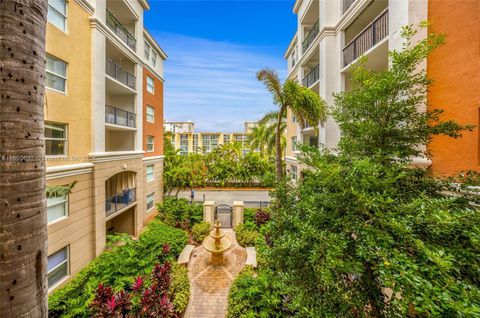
[330,38]
[93,129]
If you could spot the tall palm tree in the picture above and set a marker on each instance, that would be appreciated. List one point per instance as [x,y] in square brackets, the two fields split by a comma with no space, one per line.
[306,105]
[23,219]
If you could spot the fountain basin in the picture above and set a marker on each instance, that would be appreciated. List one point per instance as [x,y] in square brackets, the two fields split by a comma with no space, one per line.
[216,243]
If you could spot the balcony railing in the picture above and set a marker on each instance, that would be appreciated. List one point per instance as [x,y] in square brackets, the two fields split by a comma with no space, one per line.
[347,4]
[311,77]
[117,116]
[117,72]
[368,38]
[310,37]
[120,30]
[119,201]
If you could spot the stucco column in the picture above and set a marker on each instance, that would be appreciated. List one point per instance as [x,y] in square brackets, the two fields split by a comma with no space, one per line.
[238,207]
[208,211]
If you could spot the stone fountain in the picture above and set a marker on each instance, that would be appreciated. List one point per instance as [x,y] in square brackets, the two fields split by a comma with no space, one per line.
[216,243]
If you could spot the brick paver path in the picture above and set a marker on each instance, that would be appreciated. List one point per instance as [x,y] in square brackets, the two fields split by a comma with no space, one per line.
[209,285]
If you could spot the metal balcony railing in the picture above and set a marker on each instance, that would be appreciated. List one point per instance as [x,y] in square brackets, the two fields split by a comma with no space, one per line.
[311,77]
[119,116]
[347,4]
[310,37]
[120,30]
[368,38]
[117,72]
[120,201]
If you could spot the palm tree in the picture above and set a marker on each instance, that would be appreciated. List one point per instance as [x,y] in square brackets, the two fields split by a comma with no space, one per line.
[23,219]
[262,136]
[306,105]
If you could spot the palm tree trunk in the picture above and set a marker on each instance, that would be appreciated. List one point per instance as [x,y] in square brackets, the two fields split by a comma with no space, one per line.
[278,145]
[23,219]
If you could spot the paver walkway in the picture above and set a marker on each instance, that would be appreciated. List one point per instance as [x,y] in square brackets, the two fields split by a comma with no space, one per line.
[209,285]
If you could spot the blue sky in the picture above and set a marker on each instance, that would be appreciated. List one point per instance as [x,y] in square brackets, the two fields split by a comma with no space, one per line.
[214,50]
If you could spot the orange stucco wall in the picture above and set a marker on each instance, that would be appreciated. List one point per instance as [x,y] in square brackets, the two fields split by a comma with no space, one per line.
[455,70]
[155,100]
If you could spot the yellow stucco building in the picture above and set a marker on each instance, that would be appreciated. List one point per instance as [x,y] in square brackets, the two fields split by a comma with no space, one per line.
[96,54]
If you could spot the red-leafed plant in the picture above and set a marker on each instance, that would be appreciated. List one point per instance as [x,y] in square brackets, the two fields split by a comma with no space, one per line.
[261,217]
[140,300]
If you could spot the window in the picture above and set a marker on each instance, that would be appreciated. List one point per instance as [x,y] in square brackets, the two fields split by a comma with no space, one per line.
[294,57]
[226,139]
[150,85]
[210,142]
[294,119]
[150,175]
[195,143]
[150,201]
[150,114]
[150,143]
[147,50]
[294,143]
[55,139]
[57,13]
[56,74]
[154,59]
[293,173]
[57,208]
[184,144]
[58,266]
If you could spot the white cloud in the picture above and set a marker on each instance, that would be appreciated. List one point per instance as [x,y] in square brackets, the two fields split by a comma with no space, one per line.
[213,83]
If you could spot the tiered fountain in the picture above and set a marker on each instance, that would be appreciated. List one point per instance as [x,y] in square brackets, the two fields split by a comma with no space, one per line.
[216,243]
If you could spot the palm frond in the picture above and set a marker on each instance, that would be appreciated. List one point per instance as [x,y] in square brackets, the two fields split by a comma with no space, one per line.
[272,83]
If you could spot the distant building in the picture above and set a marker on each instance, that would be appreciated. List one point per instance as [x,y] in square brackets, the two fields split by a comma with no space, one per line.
[185,139]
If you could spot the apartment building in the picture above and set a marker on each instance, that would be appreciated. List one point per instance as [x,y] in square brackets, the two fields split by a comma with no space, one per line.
[186,140]
[330,37]
[456,82]
[101,139]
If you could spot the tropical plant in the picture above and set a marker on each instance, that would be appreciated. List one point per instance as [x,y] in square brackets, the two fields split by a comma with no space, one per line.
[200,231]
[262,136]
[246,235]
[118,267]
[179,212]
[306,105]
[23,226]
[380,118]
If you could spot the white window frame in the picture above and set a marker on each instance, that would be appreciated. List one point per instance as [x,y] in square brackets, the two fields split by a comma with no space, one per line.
[148,174]
[64,77]
[150,87]
[64,139]
[50,7]
[154,58]
[151,195]
[67,261]
[152,115]
[294,141]
[146,50]
[64,202]
[294,173]
[152,143]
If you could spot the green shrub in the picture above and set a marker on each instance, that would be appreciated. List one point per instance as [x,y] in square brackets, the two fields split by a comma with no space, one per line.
[179,212]
[200,231]
[257,295]
[355,227]
[246,236]
[249,214]
[117,267]
[180,288]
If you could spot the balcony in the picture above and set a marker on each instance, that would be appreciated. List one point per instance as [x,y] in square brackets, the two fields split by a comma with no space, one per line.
[366,39]
[120,30]
[347,4]
[117,72]
[312,77]
[312,34]
[117,116]
[120,201]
